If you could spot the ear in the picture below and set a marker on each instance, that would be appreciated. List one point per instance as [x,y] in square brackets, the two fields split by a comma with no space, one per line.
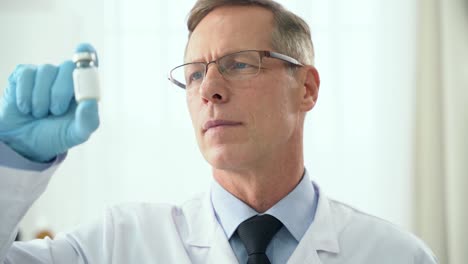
[311,84]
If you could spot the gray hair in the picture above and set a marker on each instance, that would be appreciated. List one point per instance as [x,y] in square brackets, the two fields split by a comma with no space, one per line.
[291,34]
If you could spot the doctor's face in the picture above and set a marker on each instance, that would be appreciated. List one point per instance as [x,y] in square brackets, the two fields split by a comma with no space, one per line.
[240,123]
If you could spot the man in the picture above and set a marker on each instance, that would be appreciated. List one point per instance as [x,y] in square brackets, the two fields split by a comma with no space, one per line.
[250,81]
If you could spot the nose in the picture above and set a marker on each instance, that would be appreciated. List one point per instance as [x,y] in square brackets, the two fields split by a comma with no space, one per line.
[213,87]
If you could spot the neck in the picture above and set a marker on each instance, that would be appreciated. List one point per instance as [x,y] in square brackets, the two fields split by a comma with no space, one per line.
[263,185]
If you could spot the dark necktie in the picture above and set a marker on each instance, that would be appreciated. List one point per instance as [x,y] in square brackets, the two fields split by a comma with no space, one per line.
[256,233]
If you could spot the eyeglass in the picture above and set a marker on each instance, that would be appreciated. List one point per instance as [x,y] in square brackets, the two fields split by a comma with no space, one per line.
[235,66]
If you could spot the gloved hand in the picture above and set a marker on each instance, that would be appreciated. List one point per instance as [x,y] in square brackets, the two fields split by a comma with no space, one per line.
[39,117]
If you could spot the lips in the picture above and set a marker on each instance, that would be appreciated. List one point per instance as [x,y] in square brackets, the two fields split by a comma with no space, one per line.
[217,123]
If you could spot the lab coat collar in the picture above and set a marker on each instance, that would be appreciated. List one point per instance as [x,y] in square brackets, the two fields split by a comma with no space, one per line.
[322,234]
[202,223]
[206,232]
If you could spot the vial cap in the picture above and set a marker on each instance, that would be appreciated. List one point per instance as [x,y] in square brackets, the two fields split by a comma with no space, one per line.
[84,56]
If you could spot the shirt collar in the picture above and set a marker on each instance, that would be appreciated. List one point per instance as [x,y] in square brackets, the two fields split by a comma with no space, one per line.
[296,210]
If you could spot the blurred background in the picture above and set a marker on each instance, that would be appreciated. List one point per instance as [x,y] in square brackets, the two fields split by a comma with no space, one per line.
[388,135]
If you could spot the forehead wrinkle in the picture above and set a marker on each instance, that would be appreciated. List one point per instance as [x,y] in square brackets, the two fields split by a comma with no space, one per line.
[220,55]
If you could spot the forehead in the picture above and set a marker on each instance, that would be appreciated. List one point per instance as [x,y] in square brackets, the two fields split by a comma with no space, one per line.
[229,29]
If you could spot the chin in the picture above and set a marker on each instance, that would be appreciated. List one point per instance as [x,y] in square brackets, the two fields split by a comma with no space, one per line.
[223,158]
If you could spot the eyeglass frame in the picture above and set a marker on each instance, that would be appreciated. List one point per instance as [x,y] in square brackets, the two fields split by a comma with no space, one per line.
[262,53]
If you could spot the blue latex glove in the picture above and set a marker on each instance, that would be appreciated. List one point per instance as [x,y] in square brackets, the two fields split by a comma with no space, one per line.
[39,117]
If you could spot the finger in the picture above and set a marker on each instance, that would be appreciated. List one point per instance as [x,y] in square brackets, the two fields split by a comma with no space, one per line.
[62,90]
[10,92]
[8,100]
[45,76]
[85,123]
[86,47]
[24,86]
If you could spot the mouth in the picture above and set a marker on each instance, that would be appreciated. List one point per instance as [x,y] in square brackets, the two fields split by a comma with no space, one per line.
[219,123]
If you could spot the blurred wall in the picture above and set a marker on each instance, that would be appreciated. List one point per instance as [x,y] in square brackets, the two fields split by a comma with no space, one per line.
[358,143]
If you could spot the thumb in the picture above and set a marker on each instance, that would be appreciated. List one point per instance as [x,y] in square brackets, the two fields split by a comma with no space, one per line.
[86,121]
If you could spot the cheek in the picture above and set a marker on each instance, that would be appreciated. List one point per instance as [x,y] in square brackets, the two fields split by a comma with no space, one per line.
[267,114]
[194,111]
[275,111]
[192,107]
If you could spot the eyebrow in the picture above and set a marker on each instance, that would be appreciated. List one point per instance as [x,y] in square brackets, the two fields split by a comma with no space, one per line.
[222,54]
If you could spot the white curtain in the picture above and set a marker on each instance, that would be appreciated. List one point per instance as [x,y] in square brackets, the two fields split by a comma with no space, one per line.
[441,136]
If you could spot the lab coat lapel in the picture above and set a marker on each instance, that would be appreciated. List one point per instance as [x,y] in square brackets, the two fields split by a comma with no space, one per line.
[221,251]
[207,235]
[322,235]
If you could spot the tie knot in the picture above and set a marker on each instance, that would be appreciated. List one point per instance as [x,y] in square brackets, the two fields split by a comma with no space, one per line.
[257,232]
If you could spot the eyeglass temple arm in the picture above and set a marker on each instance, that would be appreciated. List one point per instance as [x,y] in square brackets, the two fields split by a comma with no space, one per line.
[283,57]
[174,81]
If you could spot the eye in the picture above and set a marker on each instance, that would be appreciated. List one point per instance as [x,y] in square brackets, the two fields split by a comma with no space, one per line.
[196,76]
[240,65]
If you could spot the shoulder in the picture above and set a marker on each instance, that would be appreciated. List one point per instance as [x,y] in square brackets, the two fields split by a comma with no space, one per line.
[357,230]
[145,214]
[350,219]
[144,209]
[151,230]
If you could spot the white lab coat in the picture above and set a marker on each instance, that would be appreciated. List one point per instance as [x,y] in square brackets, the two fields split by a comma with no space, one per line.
[190,233]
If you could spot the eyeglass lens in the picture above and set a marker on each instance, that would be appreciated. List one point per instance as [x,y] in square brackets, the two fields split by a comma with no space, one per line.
[234,66]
